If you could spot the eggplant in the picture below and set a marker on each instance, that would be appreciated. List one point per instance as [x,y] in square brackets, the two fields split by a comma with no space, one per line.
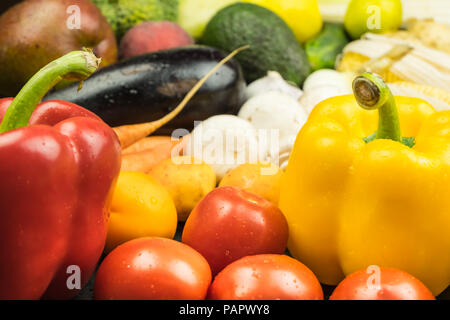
[147,87]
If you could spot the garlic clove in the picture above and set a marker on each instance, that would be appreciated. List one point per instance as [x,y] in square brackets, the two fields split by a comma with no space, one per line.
[272,82]
[328,77]
[316,95]
[224,142]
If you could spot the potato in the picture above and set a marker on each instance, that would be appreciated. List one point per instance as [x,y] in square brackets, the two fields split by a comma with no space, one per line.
[262,179]
[187,181]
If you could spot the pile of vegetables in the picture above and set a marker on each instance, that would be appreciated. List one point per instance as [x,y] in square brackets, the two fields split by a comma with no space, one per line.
[304,140]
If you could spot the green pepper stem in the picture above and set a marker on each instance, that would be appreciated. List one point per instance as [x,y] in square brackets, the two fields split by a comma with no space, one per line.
[76,65]
[372,93]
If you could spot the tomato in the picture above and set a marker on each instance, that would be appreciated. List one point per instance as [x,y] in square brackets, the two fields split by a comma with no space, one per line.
[150,269]
[230,223]
[266,277]
[381,284]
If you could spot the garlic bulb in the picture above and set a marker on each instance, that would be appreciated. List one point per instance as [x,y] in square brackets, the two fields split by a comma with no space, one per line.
[278,118]
[314,96]
[324,84]
[328,77]
[224,142]
[272,82]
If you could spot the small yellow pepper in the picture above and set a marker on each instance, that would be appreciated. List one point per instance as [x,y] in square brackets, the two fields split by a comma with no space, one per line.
[355,198]
[141,207]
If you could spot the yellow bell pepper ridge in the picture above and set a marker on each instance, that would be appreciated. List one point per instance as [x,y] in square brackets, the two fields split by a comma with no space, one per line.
[354,199]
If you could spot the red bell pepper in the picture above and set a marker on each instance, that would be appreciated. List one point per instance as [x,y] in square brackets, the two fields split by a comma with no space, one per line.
[58,165]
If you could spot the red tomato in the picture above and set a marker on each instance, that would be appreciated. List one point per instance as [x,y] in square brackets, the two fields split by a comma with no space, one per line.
[266,277]
[150,269]
[381,284]
[230,223]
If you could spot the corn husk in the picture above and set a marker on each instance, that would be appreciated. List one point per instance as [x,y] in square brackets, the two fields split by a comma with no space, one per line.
[409,67]
[438,98]
[397,60]
[439,10]
[426,32]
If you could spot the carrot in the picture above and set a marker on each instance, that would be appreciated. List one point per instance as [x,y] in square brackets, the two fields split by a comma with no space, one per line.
[130,134]
[145,160]
[148,152]
[146,143]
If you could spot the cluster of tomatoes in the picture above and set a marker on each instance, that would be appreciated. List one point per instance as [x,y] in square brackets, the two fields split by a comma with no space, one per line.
[232,248]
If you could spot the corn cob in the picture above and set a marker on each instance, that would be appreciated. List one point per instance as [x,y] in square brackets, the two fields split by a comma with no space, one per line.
[397,60]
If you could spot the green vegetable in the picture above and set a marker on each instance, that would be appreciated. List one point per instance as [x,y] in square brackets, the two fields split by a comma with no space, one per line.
[376,16]
[194,15]
[273,46]
[325,47]
[122,15]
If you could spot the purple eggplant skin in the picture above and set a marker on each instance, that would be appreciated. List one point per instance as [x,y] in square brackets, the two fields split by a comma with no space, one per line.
[146,87]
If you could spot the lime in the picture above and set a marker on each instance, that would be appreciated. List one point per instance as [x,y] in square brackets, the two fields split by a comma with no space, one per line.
[374,16]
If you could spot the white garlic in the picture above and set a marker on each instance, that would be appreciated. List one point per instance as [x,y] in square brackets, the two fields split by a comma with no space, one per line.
[328,77]
[272,82]
[224,142]
[278,118]
[314,96]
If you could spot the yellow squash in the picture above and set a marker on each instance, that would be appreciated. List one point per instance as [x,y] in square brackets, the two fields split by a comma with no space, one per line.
[355,198]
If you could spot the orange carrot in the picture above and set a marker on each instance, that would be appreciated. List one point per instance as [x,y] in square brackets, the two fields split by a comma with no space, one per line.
[146,143]
[145,160]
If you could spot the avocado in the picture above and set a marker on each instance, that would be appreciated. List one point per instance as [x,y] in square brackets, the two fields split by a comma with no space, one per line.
[122,15]
[273,46]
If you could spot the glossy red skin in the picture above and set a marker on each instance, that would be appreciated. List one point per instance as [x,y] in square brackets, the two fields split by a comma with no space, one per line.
[153,36]
[153,269]
[266,277]
[230,223]
[56,180]
[394,285]
[35,32]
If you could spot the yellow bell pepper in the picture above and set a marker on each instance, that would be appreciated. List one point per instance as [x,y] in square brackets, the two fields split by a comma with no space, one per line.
[303,17]
[355,198]
[141,207]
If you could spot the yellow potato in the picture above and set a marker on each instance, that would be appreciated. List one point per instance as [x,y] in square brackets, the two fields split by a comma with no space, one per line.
[187,181]
[262,179]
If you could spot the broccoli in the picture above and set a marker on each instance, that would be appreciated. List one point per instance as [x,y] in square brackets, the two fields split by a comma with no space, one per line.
[125,14]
